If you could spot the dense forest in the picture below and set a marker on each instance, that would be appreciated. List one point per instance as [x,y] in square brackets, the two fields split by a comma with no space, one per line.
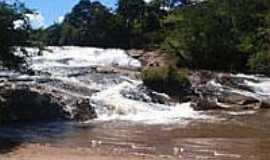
[225,35]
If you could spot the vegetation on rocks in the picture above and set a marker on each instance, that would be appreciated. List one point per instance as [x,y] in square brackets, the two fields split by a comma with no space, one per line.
[166,80]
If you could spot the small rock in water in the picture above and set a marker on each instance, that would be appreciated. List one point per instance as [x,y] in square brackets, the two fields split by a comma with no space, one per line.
[205,104]
[84,111]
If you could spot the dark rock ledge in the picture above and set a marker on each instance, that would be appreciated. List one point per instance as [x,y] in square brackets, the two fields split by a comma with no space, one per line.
[24,102]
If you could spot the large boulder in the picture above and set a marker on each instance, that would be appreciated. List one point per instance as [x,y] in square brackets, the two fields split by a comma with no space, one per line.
[26,102]
[22,103]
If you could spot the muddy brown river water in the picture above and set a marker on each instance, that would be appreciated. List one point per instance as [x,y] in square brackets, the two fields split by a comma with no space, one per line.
[223,137]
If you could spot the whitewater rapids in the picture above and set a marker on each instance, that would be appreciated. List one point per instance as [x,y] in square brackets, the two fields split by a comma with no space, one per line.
[72,69]
[74,65]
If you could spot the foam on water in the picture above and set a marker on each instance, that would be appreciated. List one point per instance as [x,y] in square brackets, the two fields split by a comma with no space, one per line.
[111,104]
[259,85]
[261,88]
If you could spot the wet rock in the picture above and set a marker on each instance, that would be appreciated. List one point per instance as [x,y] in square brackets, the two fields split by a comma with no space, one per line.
[37,102]
[84,111]
[235,98]
[233,82]
[202,104]
[22,103]
[199,78]
[135,53]
[142,93]
[223,91]
[265,105]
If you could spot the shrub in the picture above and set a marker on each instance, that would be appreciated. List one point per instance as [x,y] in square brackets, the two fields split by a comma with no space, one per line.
[166,80]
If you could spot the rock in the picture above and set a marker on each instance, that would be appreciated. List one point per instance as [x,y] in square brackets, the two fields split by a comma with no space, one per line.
[135,53]
[223,91]
[202,104]
[84,111]
[34,102]
[199,78]
[235,98]
[152,58]
[265,105]
[234,82]
[160,98]
[21,103]
[142,93]
[206,103]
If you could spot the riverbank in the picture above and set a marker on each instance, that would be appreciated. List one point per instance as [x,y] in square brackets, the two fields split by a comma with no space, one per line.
[45,152]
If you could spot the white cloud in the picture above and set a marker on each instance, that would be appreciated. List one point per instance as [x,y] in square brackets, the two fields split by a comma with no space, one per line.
[18,24]
[36,19]
[60,19]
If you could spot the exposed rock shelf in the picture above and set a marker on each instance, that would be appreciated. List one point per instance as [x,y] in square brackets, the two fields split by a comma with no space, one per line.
[28,102]
[227,91]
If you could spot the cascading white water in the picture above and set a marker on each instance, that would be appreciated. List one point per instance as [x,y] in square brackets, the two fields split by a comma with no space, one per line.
[115,106]
[72,67]
[109,102]
[84,57]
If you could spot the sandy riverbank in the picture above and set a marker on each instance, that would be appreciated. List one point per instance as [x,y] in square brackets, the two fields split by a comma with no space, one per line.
[46,152]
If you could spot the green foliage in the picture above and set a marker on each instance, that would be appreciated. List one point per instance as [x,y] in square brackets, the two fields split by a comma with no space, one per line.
[134,24]
[165,79]
[14,29]
[88,24]
[227,35]
[217,34]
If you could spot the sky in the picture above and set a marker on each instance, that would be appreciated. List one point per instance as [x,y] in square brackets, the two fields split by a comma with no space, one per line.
[51,11]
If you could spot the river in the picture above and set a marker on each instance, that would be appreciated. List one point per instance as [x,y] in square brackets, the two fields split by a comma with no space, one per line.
[129,124]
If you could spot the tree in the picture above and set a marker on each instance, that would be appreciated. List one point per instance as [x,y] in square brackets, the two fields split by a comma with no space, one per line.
[53,34]
[86,25]
[223,33]
[14,27]
[133,12]
[230,35]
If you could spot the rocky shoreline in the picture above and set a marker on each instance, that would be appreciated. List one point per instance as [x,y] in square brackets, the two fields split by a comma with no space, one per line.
[34,102]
